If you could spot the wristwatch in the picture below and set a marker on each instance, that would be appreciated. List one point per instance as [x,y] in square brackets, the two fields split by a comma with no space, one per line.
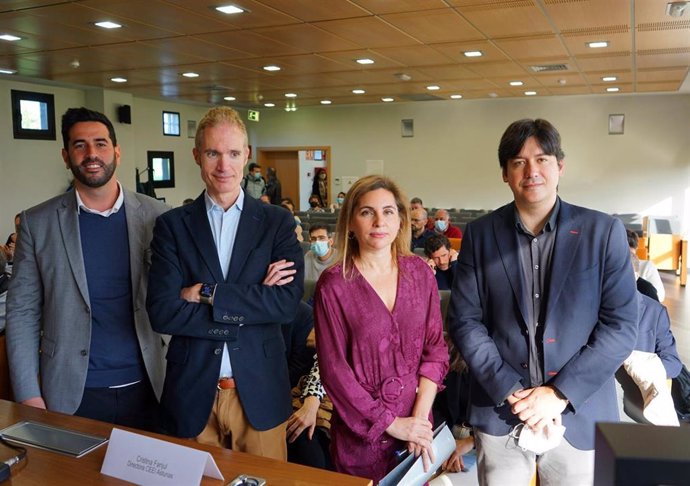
[206,293]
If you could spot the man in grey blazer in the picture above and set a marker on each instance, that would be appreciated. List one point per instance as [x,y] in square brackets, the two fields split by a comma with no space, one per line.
[78,335]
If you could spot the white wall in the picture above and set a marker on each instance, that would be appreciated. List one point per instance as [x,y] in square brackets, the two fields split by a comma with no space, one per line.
[451,161]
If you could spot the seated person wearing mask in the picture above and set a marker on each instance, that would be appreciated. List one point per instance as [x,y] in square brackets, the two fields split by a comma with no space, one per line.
[321,255]
[443,227]
[442,259]
[314,204]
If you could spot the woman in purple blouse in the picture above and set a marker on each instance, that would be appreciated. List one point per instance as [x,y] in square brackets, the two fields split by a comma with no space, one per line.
[379,334]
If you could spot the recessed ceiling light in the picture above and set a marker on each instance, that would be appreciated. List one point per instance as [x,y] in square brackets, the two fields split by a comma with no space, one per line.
[229,9]
[516,83]
[455,97]
[597,44]
[107,24]
[7,71]
[365,61]
[387,100]
[493,95]
[271,67]
[530,93]
[608,79]
[473,53]
[403,76]
[269,105]
[433,87]
[10,37]
[613,90]
[358,91]
[229,98]
[118,80]
[326,102]
[190,75]
[291,95]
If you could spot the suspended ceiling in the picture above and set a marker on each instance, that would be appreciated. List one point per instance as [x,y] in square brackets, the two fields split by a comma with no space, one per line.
[316,43]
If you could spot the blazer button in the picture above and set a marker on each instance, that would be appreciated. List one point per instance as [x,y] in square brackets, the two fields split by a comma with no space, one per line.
[226,332]
[210,331]
[226,318]
[234,318]
[217,351]
[83,352]
[241,318]
[524,365]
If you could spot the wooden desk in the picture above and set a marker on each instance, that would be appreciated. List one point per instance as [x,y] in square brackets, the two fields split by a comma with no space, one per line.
[48,468]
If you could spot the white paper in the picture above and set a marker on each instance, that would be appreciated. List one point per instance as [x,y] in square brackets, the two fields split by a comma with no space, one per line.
[144,460]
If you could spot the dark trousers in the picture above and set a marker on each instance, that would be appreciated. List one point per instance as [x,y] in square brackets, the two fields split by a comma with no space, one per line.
[314,452]
[131,406]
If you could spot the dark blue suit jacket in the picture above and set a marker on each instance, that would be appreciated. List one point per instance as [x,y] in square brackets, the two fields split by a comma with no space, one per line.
[590,322]
[654,334]
[245,314]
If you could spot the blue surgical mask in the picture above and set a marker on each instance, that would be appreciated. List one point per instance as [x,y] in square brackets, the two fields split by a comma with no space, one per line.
[340,200]
[320,248]
[441,225]
[257,176]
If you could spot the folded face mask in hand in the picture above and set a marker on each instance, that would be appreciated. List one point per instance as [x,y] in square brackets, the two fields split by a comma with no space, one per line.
[538,442]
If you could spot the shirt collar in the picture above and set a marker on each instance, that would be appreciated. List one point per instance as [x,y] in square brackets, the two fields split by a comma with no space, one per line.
[116,207]
[211,205]
[550,224]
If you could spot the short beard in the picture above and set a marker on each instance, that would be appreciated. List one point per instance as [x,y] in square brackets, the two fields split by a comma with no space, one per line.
[108,171]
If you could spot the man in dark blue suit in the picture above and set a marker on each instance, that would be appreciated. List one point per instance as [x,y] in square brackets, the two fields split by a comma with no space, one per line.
[544,311]
[226,271]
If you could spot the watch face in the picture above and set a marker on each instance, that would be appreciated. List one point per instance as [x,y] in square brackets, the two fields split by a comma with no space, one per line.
[206,290]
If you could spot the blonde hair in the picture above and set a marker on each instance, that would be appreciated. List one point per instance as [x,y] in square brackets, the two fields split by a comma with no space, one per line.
[217,116]
[348,248]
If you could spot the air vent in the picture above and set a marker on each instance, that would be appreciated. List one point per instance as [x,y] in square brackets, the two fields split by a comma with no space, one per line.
[420,97]
[544,68]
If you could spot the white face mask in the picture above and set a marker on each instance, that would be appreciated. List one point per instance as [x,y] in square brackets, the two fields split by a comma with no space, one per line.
[441,225]
[320,248]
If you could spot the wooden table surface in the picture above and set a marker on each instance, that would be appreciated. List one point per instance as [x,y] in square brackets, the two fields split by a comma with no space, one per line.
[44,468]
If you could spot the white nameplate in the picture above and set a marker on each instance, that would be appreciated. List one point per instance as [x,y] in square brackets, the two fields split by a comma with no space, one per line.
[145,460]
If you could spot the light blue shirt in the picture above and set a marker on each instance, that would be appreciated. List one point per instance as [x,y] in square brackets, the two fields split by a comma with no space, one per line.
[224,229]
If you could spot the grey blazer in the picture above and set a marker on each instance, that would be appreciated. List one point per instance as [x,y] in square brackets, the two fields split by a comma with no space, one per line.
[48,306]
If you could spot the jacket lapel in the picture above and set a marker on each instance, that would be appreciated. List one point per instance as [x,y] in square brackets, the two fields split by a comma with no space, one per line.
[248,233]
[68,221]
[135,222]
[196,221]
[507,244]
[568,237]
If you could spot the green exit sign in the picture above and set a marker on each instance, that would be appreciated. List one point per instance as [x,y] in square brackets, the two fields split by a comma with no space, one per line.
[253,115]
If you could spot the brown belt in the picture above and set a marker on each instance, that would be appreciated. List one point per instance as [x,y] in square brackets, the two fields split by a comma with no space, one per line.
[226,383]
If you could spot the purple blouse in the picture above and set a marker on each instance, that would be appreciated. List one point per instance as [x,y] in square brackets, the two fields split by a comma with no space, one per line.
[371,359]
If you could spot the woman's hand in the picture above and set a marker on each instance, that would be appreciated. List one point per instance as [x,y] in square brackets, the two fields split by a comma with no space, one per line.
[454,462]
[304,418]
[417,432]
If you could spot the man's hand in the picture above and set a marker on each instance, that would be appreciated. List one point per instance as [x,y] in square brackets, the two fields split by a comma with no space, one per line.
[9,254]
[539,406]
[191,294]
[304,418]
[432,264]
[453,254]
[454,462]
[279,273]
[36,402]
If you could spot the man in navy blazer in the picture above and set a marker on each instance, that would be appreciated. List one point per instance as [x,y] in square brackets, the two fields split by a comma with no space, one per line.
[227,270]
[544,311]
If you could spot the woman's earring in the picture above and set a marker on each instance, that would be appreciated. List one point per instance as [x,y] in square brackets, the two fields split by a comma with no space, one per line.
[350,235]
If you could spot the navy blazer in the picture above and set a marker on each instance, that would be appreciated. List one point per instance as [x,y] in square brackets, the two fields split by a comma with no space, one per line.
[654,334]
[245,314]
[590,324]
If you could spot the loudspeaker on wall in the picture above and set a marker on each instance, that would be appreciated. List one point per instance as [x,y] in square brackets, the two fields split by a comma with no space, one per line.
[124,114]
